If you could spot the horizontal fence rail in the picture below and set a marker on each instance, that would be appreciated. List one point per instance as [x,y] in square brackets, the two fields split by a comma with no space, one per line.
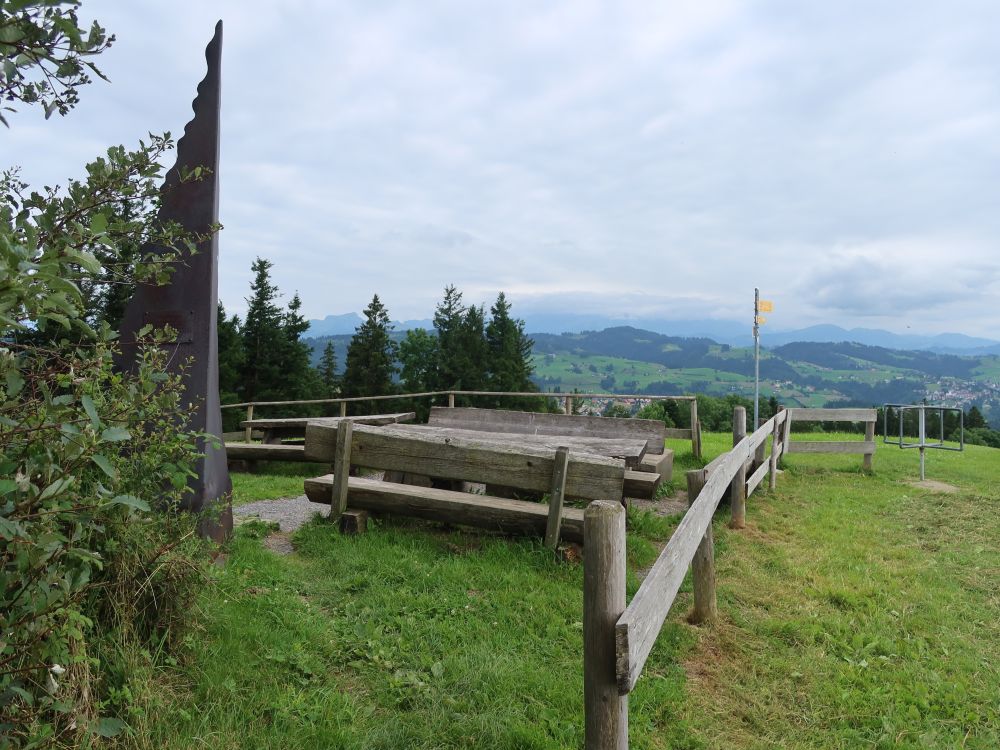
[864,448]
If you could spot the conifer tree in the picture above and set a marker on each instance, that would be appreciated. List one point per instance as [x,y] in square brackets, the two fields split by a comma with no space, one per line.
[300,378]
[328,371]
[231,356]
[371,356]
[263,340]
[509,351]
[448,320]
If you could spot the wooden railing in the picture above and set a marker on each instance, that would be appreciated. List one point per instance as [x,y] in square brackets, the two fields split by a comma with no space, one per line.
[693,433]
[618,639]
[866,448]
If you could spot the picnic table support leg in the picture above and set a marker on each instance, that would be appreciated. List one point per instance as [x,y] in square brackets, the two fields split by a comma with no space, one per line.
[605,710]
[568,409]
[249,430]
[341,469]
[343,408]
[870,438]
[559,471]
[738,489]
[451,400]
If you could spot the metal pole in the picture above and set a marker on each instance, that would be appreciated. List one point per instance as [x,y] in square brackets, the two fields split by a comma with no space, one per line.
[923,437]
[756,356]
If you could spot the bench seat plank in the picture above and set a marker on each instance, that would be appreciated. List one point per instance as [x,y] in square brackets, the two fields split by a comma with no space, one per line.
[482,511]
[265,452]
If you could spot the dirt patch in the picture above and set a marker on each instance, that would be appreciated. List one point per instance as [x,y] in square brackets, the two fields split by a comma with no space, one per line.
[935,486]
[279,543]
[664,506]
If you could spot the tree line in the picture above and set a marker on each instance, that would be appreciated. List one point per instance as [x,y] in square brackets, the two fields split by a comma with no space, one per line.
[265,357]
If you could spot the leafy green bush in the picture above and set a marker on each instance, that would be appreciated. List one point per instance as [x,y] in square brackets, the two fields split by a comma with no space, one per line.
[97,561]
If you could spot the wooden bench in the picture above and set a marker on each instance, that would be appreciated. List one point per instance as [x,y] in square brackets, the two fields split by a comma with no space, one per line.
[466,458]
[657,459]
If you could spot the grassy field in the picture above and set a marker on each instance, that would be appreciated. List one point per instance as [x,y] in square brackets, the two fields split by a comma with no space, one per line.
[855,611]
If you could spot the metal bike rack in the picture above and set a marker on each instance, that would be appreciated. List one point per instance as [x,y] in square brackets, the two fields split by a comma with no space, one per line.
[922,442]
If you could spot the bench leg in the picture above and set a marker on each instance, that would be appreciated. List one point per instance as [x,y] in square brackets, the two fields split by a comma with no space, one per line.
[353,522]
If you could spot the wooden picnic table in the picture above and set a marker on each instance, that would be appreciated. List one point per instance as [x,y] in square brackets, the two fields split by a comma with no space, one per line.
[631,450]
[276,430]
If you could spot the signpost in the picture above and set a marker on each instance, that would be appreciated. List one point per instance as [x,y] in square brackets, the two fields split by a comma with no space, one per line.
[759,306]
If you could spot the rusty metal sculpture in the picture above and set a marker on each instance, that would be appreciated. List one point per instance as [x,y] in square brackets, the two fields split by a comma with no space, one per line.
[189,303]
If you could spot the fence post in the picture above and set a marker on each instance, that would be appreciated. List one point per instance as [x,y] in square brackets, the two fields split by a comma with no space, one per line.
[343,408]
[605,710]
[249,430]
[772,472]
[738,489]
[451,400]
[703,563]
[568,409]
[759,455]
[869,437]
[695,429]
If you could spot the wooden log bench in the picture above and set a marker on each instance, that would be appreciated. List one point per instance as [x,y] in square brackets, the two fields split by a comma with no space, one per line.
[657,459]
[561,473]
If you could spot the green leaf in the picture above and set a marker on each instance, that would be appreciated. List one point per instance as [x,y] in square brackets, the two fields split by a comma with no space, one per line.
[115,435]
[57,487]
[131,501]
[14,383]
[105,465]
[98,223]
[108,726]
[7,485]
[88,406]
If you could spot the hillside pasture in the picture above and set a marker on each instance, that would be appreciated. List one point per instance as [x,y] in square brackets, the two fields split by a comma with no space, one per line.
[855,611]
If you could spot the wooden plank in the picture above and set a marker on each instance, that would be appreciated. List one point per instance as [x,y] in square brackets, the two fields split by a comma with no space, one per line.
[605,709]
[470,459]
[374,419]
[639,625]
[819,446]
[640,484]
[831,415]
[662,464]
[676,433]
[264,452]
[631,450]
[534,423]
[447,506]
[341,468]
[559,467]
[757,477]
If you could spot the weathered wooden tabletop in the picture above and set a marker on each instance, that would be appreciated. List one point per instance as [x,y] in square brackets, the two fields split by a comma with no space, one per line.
[629,449]
[293,427]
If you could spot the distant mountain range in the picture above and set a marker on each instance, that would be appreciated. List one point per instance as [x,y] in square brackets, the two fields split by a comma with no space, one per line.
[719,331]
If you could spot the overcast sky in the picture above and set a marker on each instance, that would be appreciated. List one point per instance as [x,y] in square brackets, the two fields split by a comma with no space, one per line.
[655,158]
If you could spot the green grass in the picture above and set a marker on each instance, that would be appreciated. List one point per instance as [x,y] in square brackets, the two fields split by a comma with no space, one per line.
[273,479]
[855,611]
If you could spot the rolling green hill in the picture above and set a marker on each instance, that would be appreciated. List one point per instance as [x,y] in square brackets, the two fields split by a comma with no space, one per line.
[629,360]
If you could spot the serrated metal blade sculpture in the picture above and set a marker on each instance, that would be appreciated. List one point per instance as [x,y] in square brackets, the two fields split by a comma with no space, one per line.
[189,302]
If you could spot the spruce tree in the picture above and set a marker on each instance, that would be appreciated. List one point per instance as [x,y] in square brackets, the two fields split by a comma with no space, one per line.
[328,371]
[264,342]
[509,352]
[371,356]
[448,321]
[300,378]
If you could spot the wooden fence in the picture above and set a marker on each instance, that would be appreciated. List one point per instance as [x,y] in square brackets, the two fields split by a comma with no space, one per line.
[866,448]
[693,433]
[617,639]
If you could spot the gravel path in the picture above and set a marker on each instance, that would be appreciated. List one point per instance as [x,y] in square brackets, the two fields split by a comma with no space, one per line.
[289,512]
